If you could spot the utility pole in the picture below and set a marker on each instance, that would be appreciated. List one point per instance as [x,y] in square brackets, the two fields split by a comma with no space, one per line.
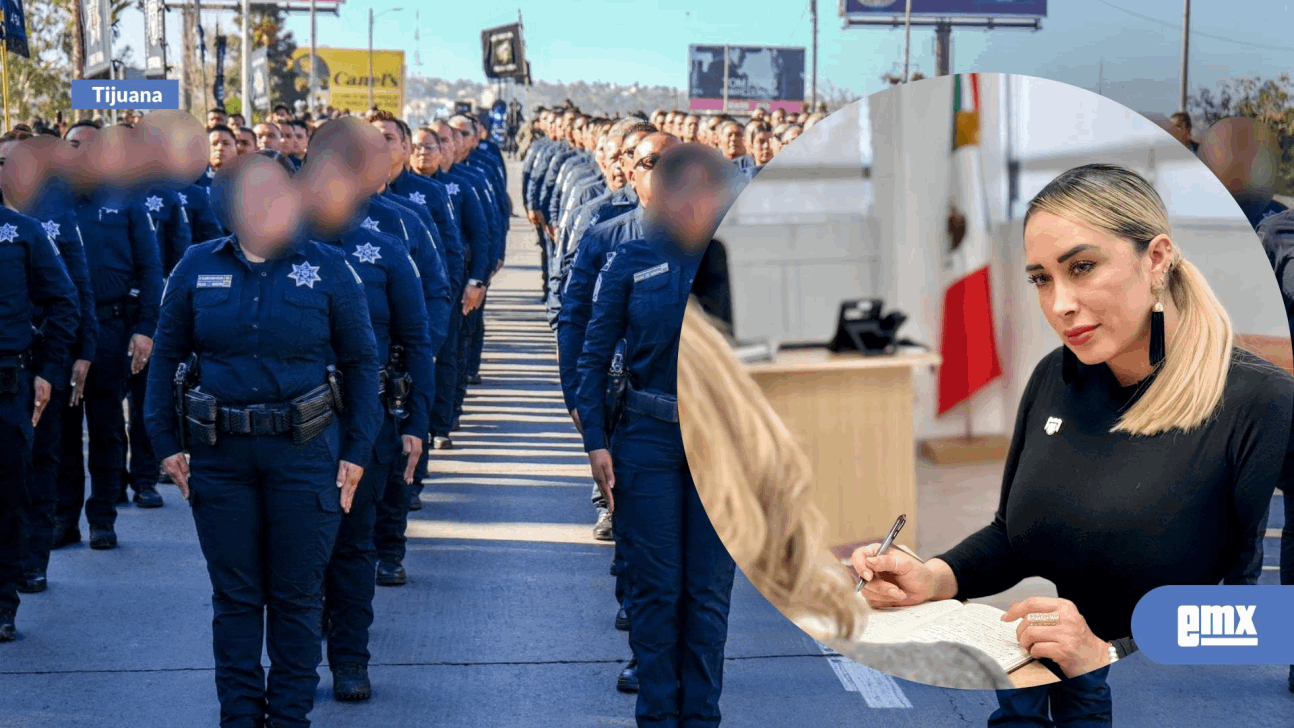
[1186,44]
[907,40]
[187,73]
[943,49]
[370,58]
[813,95]
[314,58]
[245,61]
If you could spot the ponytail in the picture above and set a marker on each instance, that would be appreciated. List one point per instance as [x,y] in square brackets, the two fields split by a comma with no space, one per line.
[1197,360]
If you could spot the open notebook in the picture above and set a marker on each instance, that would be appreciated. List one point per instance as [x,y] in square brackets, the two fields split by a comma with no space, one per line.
[977,625]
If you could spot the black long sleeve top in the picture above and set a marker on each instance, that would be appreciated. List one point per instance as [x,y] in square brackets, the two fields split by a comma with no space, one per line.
[1107,517]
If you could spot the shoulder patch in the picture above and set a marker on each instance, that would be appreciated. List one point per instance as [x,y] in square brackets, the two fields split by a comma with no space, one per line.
[214,281]
[352,272]
[610,257]
[643,275]
[597,287]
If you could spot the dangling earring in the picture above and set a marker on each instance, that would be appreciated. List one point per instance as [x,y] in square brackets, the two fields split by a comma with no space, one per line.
[1157,328]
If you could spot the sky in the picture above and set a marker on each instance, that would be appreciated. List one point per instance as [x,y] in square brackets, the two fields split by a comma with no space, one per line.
[1134,44]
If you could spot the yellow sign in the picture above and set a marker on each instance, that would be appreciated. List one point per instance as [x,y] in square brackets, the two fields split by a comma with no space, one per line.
[344,80]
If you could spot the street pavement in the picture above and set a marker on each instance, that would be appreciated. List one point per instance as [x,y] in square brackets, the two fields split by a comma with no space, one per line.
[507,620]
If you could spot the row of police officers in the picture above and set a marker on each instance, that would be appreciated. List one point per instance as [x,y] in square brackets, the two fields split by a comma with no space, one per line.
[624,213]
[291,392]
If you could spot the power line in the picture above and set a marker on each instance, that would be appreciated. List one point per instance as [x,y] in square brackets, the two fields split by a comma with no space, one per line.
[1177,26]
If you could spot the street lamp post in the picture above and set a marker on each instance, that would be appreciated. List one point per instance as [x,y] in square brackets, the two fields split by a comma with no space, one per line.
[372,17]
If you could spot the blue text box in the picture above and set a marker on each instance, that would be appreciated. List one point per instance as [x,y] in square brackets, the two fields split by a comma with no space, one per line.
[134,94]
[1216,625]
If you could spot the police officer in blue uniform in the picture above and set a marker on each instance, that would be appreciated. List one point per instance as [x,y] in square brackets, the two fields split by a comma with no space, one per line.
[122,255]
[35,289]
[398,313]
[478,254]
[595,252]
[277,442]
[60,226]
[174,236]
[681,574]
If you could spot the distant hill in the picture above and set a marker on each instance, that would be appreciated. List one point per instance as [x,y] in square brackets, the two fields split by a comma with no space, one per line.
[428,97]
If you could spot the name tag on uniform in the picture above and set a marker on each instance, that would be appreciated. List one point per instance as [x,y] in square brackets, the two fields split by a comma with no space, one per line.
[643,275]
[215,281]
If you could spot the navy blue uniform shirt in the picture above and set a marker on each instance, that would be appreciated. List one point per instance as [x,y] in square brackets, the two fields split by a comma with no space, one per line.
[577,298]
[61,227]
[386,216]
[34,282]
[639,296]
[203,225]
[430,196]
[397,311]
[121,251]
[475,226]
[174,234]
[264,333]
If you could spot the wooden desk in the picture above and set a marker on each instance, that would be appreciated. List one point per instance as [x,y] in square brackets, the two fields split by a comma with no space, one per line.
[852,415]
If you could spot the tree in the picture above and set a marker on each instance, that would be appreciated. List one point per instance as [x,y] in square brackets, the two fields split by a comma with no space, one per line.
[836,97]
[40,85]
[1268,100]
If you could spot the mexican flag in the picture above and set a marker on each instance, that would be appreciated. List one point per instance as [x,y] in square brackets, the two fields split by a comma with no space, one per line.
[967,342]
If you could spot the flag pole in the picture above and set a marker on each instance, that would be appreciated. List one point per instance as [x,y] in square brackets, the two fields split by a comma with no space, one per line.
[5,63]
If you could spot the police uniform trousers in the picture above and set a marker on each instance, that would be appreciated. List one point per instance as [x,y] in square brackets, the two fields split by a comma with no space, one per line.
[267,513]
[40,511]
[1078,702]
[545,252]
[681,577]
[349,583]
[16,437]
[464,347]
[105,388]
[476,328]
[449,374]
[144,464]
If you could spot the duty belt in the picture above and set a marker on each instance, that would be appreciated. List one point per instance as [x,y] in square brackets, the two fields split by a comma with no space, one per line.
[110,311]
[274,419]
[663,407]
[22,359]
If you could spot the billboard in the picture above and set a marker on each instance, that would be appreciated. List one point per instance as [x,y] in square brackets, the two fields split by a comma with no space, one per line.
[998,8]
[259,61]
[503,52]
[756,76]
[343,78]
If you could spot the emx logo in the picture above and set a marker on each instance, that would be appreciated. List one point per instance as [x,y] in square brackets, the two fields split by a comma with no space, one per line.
[1215,625]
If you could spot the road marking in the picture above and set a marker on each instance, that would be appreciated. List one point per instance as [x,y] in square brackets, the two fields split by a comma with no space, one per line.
[877,689]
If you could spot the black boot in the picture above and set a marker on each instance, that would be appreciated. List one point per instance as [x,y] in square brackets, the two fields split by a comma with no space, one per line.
[350,682]
[622,620]
[33,582]
[148,497]
[415,503]
[8,633]
[628,680]
[102,538]
[391,573]
[65,536]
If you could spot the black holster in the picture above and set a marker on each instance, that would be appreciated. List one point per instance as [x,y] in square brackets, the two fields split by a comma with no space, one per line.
[201,412]
[617,389]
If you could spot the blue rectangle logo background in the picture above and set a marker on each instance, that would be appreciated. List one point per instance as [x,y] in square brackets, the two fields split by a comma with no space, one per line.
[134,94]
[1216,625]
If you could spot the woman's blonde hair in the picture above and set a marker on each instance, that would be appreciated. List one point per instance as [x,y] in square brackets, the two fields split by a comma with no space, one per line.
[1189,384]
[755,482]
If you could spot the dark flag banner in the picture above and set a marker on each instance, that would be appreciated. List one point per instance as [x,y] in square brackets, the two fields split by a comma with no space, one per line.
[259,60]
[504,52]
[15,28]
[154,39]
[218,88]
[96,18]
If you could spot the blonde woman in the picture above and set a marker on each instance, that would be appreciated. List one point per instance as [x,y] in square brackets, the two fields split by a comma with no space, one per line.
[1145,449]
[756,484]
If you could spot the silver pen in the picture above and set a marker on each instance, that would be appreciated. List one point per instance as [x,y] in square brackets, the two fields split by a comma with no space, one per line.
[885,545]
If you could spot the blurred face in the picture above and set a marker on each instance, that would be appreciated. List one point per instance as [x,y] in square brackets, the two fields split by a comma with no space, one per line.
[267,136]
[237,120]
[1094,289]
[758,115]
[223,149]
[1242,153]
[791,135]
[779,116]
[426,152]
[577,128]
[215,117]
[391,134]
[246,143]
[302,138]
[762,148]
[287,141]
[730,142]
